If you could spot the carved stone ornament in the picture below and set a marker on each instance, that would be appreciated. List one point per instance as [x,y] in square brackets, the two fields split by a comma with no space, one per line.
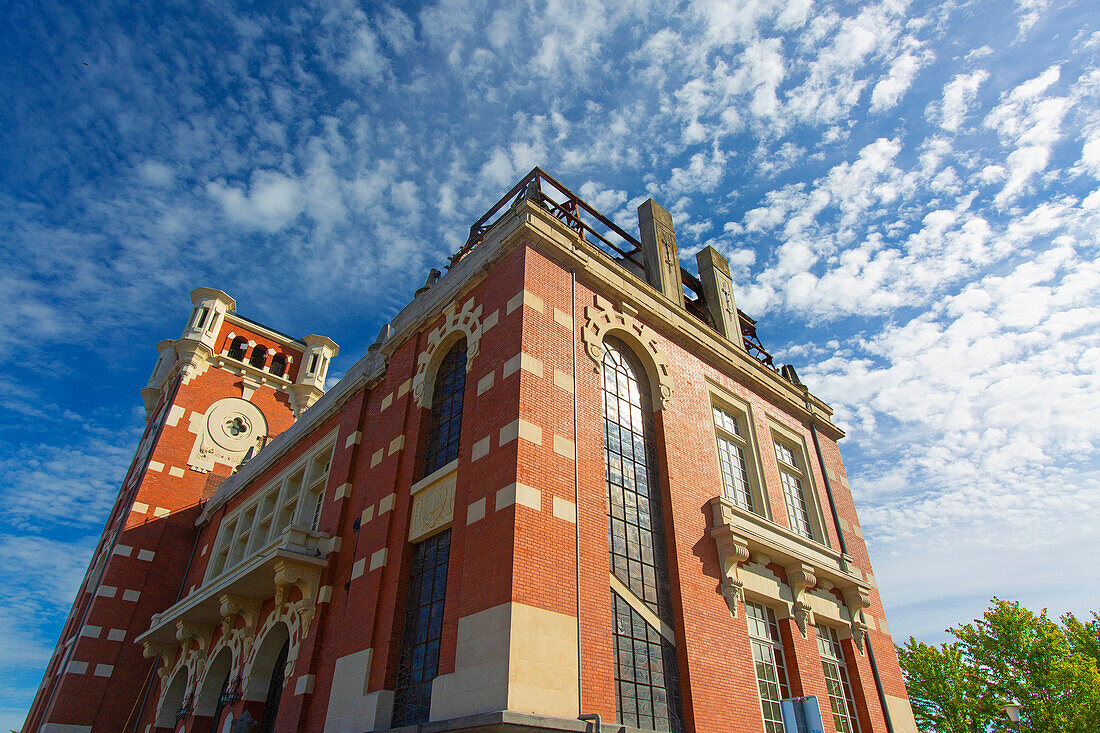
[856,600]
[800,577]
[732,591]
[433,507]
[468,322]
[233,606]
[165,651]
[604,318]
[290,574]
[195,637]
[733,550]
[802,616]
[230,428]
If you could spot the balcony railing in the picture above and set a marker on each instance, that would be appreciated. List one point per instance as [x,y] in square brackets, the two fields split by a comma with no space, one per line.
[294,559]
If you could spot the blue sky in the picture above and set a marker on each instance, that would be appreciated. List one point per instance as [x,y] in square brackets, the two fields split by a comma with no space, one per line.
[908,193]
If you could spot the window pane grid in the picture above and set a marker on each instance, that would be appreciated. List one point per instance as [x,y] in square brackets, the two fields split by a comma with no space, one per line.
[836,681]
[726,421]
[445,422]
[771,672]
[797,514]
[735,479]
[637,538]
[647,679]
[423,630]
[786,455]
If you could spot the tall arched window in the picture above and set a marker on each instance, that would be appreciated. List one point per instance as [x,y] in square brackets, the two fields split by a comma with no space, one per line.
[426,592]
[445,422]
[647,678]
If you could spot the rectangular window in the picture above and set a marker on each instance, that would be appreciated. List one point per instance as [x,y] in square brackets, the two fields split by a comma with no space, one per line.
[732,448]
[296,496]
[836,680]
[792,475]
[767,657]
[419,664]
[202,318]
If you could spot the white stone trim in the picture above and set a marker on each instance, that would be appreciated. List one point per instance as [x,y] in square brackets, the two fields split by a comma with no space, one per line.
[518,493]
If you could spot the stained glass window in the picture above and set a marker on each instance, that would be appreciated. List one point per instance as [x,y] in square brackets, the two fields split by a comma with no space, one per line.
[646,676]
[419,664]
[445,422]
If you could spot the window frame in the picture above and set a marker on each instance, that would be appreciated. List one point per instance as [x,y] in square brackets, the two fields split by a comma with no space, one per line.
[741,412]
[774,643]
[409,705]
[433,456]
[829,637]
[785,437]
[638,521]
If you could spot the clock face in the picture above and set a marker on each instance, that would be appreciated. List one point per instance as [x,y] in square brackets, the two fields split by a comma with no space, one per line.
[233,424]
[229,429]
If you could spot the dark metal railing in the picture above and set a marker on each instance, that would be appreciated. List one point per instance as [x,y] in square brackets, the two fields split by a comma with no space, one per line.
[566,206]
[574,212]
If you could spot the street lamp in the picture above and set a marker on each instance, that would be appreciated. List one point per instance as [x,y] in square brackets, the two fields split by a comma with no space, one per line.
[1012,710]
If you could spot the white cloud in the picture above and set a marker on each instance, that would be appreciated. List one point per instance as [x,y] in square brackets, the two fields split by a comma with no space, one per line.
[903,69]
[958,95]
[1031,123]
[271,201]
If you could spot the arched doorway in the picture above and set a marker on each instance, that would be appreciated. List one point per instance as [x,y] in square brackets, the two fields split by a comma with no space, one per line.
[265,679]
[213,694]
[172,700]
[275,691]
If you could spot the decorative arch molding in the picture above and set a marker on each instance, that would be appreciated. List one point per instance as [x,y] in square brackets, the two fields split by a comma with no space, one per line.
[254,678]
[173,693]
[603,318]
[464,323]
[207,688]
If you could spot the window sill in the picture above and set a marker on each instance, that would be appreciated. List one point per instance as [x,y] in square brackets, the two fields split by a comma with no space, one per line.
[739,533]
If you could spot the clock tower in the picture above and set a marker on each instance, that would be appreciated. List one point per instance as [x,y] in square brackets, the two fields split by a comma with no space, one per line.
[217,395]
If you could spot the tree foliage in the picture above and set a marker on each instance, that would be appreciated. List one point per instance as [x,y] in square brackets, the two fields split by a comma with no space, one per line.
[1052,669]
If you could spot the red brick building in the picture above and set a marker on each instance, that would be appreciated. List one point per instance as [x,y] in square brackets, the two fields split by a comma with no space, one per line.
[565,480]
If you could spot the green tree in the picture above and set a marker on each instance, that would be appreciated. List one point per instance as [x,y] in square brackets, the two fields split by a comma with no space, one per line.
[1052,669]
[947,691]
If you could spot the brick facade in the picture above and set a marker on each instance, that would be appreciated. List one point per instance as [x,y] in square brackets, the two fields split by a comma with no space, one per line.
[528,482]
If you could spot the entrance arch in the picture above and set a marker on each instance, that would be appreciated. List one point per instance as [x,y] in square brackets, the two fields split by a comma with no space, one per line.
[211,695]
[172,700]
[267,675]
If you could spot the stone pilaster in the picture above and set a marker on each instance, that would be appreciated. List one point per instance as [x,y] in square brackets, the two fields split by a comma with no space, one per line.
[662,260]
[714,273]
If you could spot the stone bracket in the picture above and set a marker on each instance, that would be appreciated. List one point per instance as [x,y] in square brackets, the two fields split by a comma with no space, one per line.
[800,577]
[857,599]
[233,606]
[165,651]
[733,549]
[194,637]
